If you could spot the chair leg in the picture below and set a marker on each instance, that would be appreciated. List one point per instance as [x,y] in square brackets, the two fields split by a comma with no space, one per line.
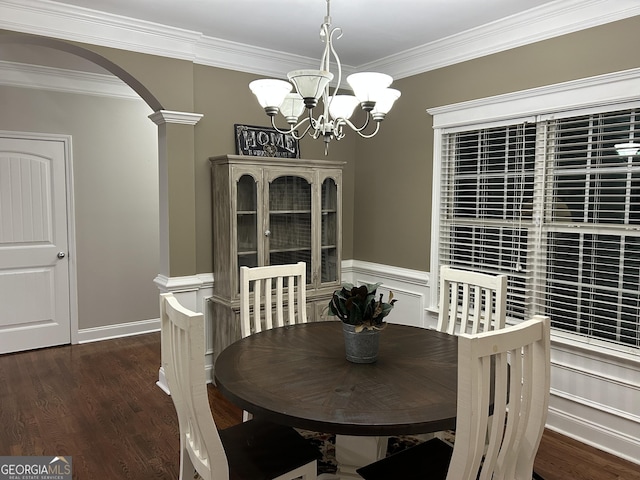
[187,470]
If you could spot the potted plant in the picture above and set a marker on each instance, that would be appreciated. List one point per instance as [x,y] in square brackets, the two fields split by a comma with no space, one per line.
[362,313]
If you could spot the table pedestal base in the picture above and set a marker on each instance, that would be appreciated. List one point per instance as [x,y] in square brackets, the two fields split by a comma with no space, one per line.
[354,452]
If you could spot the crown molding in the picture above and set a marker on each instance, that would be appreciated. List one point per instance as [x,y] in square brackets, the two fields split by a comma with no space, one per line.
[22,75]
[547,21]
[215,52]
[52,19]
[69,22]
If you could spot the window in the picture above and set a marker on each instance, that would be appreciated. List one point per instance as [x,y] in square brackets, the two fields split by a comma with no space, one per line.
[487,193]
[548,201]
[593,237]
[552,205]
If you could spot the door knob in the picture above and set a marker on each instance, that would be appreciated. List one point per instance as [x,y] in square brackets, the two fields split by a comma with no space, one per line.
[61,254]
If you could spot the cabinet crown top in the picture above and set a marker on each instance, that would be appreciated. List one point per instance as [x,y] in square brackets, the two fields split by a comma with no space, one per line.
[274,161]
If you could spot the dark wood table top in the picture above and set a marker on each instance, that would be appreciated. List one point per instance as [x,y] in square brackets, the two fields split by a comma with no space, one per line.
[299,376]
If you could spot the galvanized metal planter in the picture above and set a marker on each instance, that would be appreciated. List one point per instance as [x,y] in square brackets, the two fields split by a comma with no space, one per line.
[360,347]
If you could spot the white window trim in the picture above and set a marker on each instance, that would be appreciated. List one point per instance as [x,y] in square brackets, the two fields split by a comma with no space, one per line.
[608,89]
[558,100]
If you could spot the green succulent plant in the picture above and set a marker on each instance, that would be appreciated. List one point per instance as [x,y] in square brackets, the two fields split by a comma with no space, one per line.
[358,306]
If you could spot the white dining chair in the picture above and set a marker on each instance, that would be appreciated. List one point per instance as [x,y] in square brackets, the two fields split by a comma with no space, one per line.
[503,373]
[471,302]
[266,293]
[252,450]
[272,296]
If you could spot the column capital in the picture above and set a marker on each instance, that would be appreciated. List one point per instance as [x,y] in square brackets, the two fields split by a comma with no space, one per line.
[168,116]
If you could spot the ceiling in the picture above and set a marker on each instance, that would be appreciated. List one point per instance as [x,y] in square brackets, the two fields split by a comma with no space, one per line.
[271,37]
[372,29]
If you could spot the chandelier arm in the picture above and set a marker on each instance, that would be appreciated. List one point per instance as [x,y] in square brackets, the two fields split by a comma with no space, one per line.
[358,129]
[336,31]
[320,125]
[293,129]
[327,101]
[370,135]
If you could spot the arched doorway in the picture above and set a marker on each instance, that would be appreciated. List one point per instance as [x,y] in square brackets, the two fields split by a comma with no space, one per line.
[114,179]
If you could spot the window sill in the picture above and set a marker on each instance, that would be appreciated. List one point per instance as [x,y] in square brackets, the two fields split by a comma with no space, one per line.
[596,349]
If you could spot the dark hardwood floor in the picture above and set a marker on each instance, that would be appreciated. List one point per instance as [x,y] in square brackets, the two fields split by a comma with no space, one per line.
[99,404]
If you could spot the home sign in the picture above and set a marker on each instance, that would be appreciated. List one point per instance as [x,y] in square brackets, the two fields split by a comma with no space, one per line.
[265,142]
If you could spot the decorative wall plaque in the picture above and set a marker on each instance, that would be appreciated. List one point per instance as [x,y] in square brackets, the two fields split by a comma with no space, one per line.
[265,142]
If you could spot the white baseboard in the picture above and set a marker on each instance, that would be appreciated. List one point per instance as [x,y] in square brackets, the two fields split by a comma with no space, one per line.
[162,381]
[598,436]
[600,426]
[592,399]
[119,330]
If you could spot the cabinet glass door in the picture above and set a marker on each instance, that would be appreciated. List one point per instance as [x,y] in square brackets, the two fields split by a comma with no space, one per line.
[289,239]
[329,232]
[247,222]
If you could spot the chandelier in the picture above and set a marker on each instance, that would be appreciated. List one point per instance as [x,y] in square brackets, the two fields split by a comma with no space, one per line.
[370,90]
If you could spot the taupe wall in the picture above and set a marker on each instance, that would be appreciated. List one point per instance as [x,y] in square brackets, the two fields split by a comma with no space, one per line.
[393,171]
[115,166]
[223,96]
[387,184]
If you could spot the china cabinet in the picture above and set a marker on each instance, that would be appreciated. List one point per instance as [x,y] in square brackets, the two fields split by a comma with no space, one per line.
[272,211]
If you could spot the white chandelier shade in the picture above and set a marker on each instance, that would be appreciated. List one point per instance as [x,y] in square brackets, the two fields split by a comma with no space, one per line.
[292,107]
[371,92]
[342,106]
[367,86]
[384,102]
[270,93]
[310,84]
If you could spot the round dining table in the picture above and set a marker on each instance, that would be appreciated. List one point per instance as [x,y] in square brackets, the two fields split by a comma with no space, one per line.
[298,375]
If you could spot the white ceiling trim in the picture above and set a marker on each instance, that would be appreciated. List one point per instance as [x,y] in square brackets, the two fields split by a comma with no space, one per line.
[51,19]
[68,22]
[247,58]
[548,21]
[21,75]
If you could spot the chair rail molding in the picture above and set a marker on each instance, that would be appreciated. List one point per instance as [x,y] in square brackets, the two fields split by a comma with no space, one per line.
[594,393]
[193,292]
[410,288]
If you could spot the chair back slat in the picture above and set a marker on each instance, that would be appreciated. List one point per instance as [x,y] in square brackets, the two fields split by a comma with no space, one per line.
[259,283]
[503,397]
[471,302]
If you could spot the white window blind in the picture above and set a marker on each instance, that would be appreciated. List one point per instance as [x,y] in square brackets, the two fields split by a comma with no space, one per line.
[554,207]
[487,182]
[592,284]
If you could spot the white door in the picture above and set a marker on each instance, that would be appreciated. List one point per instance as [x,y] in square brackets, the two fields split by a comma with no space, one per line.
[34,265]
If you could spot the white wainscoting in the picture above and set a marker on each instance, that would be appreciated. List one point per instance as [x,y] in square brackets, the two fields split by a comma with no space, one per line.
[595,394]
[595,397]
[192,292]
[409,287]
